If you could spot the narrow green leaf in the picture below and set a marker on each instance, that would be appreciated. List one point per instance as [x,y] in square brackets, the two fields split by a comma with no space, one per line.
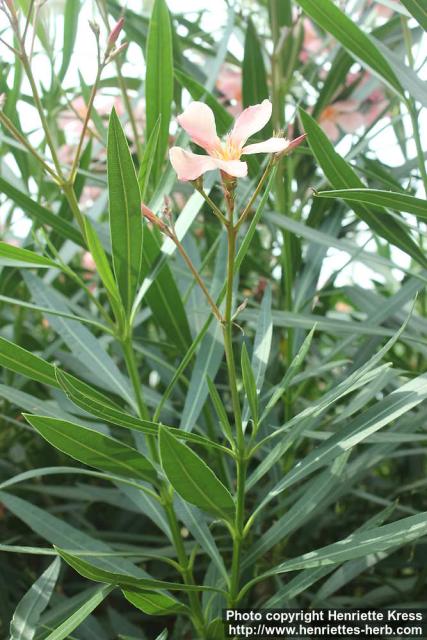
[80,615]
[418,9]
[92,572]
[102,265]
[192,479]
[341,176]
[220,410]
[329,17]
[390,199]
[254,77]
[25,363]
[147,162]
[93,448]
[159,79]
[99,405]
[11,256]
[71,19]
[262,346]
[154,604]
[125,213]
[290,373]
[360,544]
[27,614]
[249,384]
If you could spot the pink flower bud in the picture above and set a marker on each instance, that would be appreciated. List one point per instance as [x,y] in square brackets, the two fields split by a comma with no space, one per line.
[115,32]
[151,217]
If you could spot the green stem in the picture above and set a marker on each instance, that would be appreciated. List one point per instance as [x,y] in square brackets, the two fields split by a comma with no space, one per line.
[136,383]
[186,572]
[165,491]
[93,93]
[416,131]
[49,140]
[240,438]
[68,189]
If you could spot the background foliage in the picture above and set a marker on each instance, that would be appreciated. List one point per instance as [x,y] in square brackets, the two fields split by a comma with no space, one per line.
[333,268]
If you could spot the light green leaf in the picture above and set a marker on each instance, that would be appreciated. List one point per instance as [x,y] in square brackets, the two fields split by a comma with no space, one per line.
[71,19]
[290,373]
[11,256]
[249,384]
[390,199]
[359,545]
[27,614]
[154,604]
[24,362]
[76,618]
[254,77]
[125,213]
[159,80]
[192,479]
[145,170]
[93,448]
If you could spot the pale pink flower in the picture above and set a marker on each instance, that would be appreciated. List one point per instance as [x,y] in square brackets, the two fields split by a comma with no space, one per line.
[312,42]
[343,114]
[199,122]
[88,262]
[229,84]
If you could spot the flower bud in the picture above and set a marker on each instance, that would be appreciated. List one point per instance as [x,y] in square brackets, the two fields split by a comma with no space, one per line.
[117,51]
[151,217]
[114,34]
[293,144]
[95,28]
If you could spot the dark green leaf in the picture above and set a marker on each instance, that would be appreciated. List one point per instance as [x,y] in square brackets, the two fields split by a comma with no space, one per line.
[159,79]
[125,213]
[192,478]
[93,448]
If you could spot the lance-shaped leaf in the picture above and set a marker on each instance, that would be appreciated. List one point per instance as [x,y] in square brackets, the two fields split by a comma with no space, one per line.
[27,614]
[25,363]
[93,448]
[159,79]
[125,213]
[342,176]
[92,572]
[254,77]
[358,545]
[191,477]
[390,199]
[11,256]
[418,9]
[154,604]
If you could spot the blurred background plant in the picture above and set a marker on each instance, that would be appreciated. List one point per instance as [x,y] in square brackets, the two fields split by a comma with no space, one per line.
[348,264]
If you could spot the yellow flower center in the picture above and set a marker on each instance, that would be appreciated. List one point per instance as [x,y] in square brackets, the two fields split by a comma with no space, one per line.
[228,150]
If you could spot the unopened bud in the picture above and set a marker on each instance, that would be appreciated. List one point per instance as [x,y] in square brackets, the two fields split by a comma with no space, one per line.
[117,51]
[115,32]
[151,217]
[95,28]
[292,145]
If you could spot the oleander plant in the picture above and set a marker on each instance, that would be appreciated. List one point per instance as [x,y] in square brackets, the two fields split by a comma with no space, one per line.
[213,312]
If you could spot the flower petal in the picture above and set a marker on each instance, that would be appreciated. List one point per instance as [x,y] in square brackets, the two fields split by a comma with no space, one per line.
[272,145]
[250,121]
[199,122]
[234,168]
[188,165]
